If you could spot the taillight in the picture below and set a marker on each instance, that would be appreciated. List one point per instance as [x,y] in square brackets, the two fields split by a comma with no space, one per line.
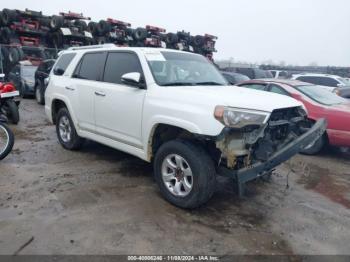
[6,88]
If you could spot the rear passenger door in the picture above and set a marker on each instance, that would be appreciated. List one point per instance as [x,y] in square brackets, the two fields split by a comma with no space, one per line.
[118,107]
[85,81]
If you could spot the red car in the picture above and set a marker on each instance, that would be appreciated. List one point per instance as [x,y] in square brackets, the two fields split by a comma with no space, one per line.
[319,102]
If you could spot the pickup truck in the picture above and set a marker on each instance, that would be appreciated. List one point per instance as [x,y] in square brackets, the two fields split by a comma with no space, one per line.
[175,110]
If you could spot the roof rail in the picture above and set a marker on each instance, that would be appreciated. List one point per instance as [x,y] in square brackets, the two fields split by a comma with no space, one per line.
[91,47]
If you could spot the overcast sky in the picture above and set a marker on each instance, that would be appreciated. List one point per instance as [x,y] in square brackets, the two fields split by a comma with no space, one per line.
[298,32]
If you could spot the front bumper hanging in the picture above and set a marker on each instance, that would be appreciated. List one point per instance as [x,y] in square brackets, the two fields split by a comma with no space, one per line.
[256,170]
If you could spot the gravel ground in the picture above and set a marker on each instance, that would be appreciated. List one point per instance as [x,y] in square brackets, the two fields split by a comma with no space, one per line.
[102,201]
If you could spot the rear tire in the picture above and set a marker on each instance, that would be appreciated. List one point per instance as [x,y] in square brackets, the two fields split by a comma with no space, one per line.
[140,34]
[56,22]
[66,132]
[93,28]
[104,27]
[81,25]
[193,192]
[15,55]
[8,16]
[12,111]
[5,35]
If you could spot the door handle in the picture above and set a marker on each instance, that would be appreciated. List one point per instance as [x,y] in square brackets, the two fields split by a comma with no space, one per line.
[99,93]
[70,88]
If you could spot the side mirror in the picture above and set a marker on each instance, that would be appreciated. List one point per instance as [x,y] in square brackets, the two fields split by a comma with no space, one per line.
[133,79]
[46,81]
[58,71]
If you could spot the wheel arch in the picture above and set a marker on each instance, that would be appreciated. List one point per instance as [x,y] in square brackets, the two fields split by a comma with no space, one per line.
[56,105]
[162,132]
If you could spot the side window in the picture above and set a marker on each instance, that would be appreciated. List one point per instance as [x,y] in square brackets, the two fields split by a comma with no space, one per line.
[120,63]
[91,66]
[64,60]
[255,86]
[283,74]
[309,79]
[327,81]
[278,90]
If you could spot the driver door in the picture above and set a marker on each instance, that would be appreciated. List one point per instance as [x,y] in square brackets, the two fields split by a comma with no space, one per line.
[118,107]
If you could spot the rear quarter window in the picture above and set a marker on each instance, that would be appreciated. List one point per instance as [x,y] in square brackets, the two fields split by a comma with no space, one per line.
[64,61]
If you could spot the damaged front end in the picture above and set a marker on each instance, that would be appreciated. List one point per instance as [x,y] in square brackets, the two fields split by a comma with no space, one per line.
[254,149]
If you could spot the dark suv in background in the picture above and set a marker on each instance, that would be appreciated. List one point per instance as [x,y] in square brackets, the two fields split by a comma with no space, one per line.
[22,76]
[41,74]
[252,73]
[234,78]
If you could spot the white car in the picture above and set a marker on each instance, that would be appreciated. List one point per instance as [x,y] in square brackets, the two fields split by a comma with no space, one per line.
[176,110]
[322,79]
[279,74]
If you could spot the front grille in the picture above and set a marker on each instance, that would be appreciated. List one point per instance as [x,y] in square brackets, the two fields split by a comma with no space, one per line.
[285,114]
[282,128]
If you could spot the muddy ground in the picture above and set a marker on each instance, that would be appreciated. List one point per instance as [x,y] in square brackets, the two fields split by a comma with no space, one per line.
[102,201]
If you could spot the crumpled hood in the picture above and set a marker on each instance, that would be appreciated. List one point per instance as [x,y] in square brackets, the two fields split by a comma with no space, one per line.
[232,96]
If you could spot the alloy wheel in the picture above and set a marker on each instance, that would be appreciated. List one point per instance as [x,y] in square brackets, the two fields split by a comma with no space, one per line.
[177,175]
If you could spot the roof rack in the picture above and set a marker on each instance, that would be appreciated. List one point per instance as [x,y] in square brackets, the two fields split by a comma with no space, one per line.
[91,47]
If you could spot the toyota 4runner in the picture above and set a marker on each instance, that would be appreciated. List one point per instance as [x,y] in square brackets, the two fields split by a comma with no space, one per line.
[176,110]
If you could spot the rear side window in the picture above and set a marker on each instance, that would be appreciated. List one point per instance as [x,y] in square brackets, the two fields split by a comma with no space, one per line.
[278,90]
[310,79]
[328,81]
[120,63]
[64,61]
[91,66]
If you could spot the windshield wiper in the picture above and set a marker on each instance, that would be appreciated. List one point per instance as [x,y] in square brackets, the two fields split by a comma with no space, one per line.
[208,83]
[178,84]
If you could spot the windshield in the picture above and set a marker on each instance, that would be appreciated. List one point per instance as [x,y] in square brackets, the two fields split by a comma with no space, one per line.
[173,68]
[321,95]
[28,71]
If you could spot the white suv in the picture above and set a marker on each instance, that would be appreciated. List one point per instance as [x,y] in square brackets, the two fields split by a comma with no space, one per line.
[176,110]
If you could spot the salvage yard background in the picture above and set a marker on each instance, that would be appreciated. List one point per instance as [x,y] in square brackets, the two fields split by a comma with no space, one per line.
[102,201]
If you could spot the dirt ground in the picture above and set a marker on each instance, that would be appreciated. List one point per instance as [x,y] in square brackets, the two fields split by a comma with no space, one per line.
[102,201]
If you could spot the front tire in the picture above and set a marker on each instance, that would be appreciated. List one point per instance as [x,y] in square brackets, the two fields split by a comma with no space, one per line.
[66,132]
[316,147]
[184,173]
[7,140]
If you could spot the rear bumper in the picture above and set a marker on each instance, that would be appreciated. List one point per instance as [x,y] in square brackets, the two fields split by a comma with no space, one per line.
[259,169]
[9,94]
